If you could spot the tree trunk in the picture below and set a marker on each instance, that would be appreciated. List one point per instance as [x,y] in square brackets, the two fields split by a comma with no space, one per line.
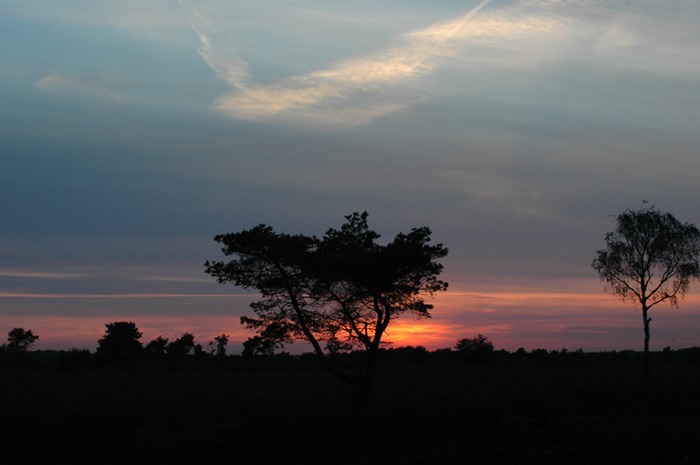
[647,355]
[366,380]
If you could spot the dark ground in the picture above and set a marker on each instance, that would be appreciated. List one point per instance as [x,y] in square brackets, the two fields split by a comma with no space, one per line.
[427,408]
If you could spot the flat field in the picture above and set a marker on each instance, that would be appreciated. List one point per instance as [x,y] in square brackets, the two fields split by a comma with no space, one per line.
[517,408]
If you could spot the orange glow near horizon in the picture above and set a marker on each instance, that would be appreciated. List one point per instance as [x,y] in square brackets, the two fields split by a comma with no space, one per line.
[584,318]
[591,320]
[65,332]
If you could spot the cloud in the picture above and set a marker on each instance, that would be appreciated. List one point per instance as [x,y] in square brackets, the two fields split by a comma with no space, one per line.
[52,82]
[351,92]
[11,273]
[62,84]
[641,42]
[530,35]
[222,59]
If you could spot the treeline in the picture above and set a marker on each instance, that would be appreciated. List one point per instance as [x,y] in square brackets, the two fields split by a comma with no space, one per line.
[121,348]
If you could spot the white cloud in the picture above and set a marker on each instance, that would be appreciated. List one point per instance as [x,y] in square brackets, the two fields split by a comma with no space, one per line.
[532,35]
[351,92]
[223,58]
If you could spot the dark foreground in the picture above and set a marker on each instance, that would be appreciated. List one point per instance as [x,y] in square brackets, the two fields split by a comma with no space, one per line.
[427,408]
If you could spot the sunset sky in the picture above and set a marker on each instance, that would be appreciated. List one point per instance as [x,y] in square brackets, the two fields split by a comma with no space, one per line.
[133,132]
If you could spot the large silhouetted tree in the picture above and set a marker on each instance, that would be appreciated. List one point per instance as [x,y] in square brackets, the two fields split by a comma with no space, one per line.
[343,288]
[650,258]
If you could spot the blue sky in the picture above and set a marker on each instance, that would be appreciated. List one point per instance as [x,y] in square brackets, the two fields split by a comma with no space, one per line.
[132,133]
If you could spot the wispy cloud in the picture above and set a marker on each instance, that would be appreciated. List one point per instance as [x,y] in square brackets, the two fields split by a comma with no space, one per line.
[28,274]
[61,83]
[351,92]
[523,35]
[53,81]
[93,274]
[225,62]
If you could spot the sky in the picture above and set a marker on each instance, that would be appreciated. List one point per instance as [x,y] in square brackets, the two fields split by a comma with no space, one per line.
[131,133]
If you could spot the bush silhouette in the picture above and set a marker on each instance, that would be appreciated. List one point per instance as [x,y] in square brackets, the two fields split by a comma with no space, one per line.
[477,348]
[19,340]
[120,343]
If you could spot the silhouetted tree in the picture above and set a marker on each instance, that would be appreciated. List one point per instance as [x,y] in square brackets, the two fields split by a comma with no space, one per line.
[218,346]
[182,346]
[650,258]
[19,340]
[476,348]
[157,347]
[407,354]
[198,351]
[341,287]
[120,342]
[259,346]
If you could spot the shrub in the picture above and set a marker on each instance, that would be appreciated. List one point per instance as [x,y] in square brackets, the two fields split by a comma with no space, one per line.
[477,348]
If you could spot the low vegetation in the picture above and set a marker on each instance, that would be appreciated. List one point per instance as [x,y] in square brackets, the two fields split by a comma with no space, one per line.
[428,406]
[179,402]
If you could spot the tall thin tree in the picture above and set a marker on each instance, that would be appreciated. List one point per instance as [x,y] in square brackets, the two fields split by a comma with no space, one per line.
[650,258]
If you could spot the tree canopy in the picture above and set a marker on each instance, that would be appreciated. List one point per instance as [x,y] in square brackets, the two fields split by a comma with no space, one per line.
[477,348]
[650,258]
[341,290]
[120,342]
[19,340]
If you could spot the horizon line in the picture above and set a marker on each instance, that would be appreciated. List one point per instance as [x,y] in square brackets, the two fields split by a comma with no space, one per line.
[27,295]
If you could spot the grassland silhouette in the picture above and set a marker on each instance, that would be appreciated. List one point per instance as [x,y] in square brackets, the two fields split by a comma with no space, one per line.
[179,402]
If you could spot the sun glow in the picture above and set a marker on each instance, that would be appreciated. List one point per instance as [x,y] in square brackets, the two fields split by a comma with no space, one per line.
[68,332]
[551,320]
[584,318]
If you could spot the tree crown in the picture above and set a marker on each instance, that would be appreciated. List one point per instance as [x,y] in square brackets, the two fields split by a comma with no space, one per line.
[20,340]
[343,285]
[121,340]
[651,257]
